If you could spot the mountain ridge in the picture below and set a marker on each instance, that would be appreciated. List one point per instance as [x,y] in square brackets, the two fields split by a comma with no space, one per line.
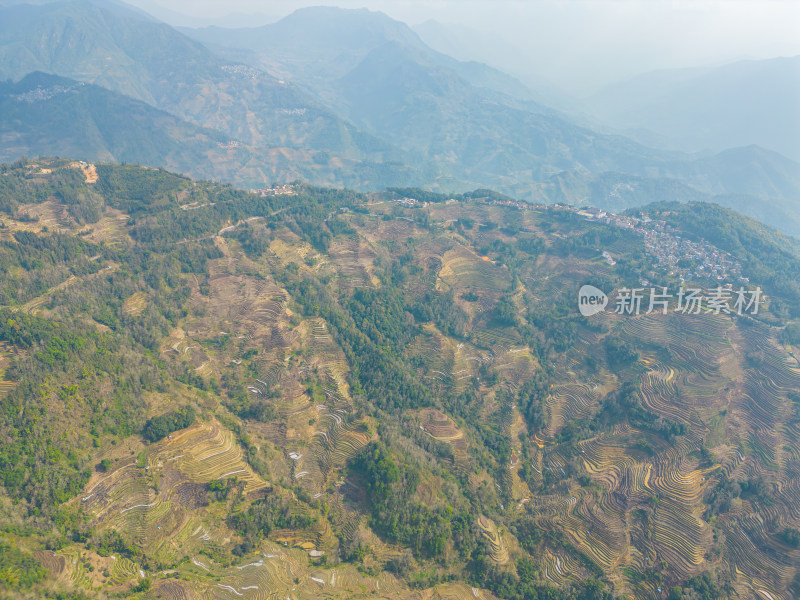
[444,132]
[46,114]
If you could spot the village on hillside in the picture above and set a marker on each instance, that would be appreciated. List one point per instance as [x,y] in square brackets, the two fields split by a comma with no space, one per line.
[684,258]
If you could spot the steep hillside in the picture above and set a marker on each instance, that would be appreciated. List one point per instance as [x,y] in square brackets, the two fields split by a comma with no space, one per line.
[378,74]
[208,393]
[617,192]
[46,114]
[152,62]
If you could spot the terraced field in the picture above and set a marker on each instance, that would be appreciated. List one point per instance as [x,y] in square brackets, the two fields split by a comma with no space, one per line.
[353,260]
[7,353]
[568,402]
[452,364]
[497,547]
[135,304]
[51,214]
[441,428]
[335,438]
[650,504]
[155,498]
[463,269]
[110,229]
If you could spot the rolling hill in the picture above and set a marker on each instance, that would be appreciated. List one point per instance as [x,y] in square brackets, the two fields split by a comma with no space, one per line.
[49,114]
[212,393]
[318,45]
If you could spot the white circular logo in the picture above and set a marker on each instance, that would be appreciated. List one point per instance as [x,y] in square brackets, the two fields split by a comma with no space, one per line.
[591,300]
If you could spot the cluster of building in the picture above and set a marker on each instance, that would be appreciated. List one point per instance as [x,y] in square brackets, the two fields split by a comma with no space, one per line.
[41,94]
[242,71]
[410,202]
[684,258]
[518,204]
[285,189]
[689,259]
[197,205]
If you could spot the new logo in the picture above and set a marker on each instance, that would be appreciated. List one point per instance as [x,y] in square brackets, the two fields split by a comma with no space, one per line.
[591,300]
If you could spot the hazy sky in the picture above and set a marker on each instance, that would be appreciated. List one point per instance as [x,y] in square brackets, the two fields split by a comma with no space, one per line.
[573,43]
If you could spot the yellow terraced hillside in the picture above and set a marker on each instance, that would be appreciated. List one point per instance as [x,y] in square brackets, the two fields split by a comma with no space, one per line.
[463,268]
[135,304]
[7,353]
[278,572]
[153,498]
[385,391]
[567,402]
[497,548]
[440,427]
[207,452]
[50,214]
[559,567]
[353,260]
[111,229]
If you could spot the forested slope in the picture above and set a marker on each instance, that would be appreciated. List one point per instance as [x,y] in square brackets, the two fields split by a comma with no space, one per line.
[208,393]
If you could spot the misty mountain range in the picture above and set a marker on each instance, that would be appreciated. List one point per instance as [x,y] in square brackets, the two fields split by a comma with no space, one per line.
[354,98]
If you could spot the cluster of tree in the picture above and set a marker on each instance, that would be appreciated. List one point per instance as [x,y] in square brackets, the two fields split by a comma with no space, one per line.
[587,238]
[443,311]
[24,330]
[75,381]
[790,537]
[254,240]
[161,426]
[375,369]
[505,312]
[558,325]
[221,488]
[135,190]
[526,583]
[791,334]
[703,587]
[32,264]
[112,543]
[380,314]
[263,516]
[391,485]
[619,353]
[20,183]
[719,498]
[18,570]
[533,245]
[260,410]
[530,399]
[626,404]
[417,193]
